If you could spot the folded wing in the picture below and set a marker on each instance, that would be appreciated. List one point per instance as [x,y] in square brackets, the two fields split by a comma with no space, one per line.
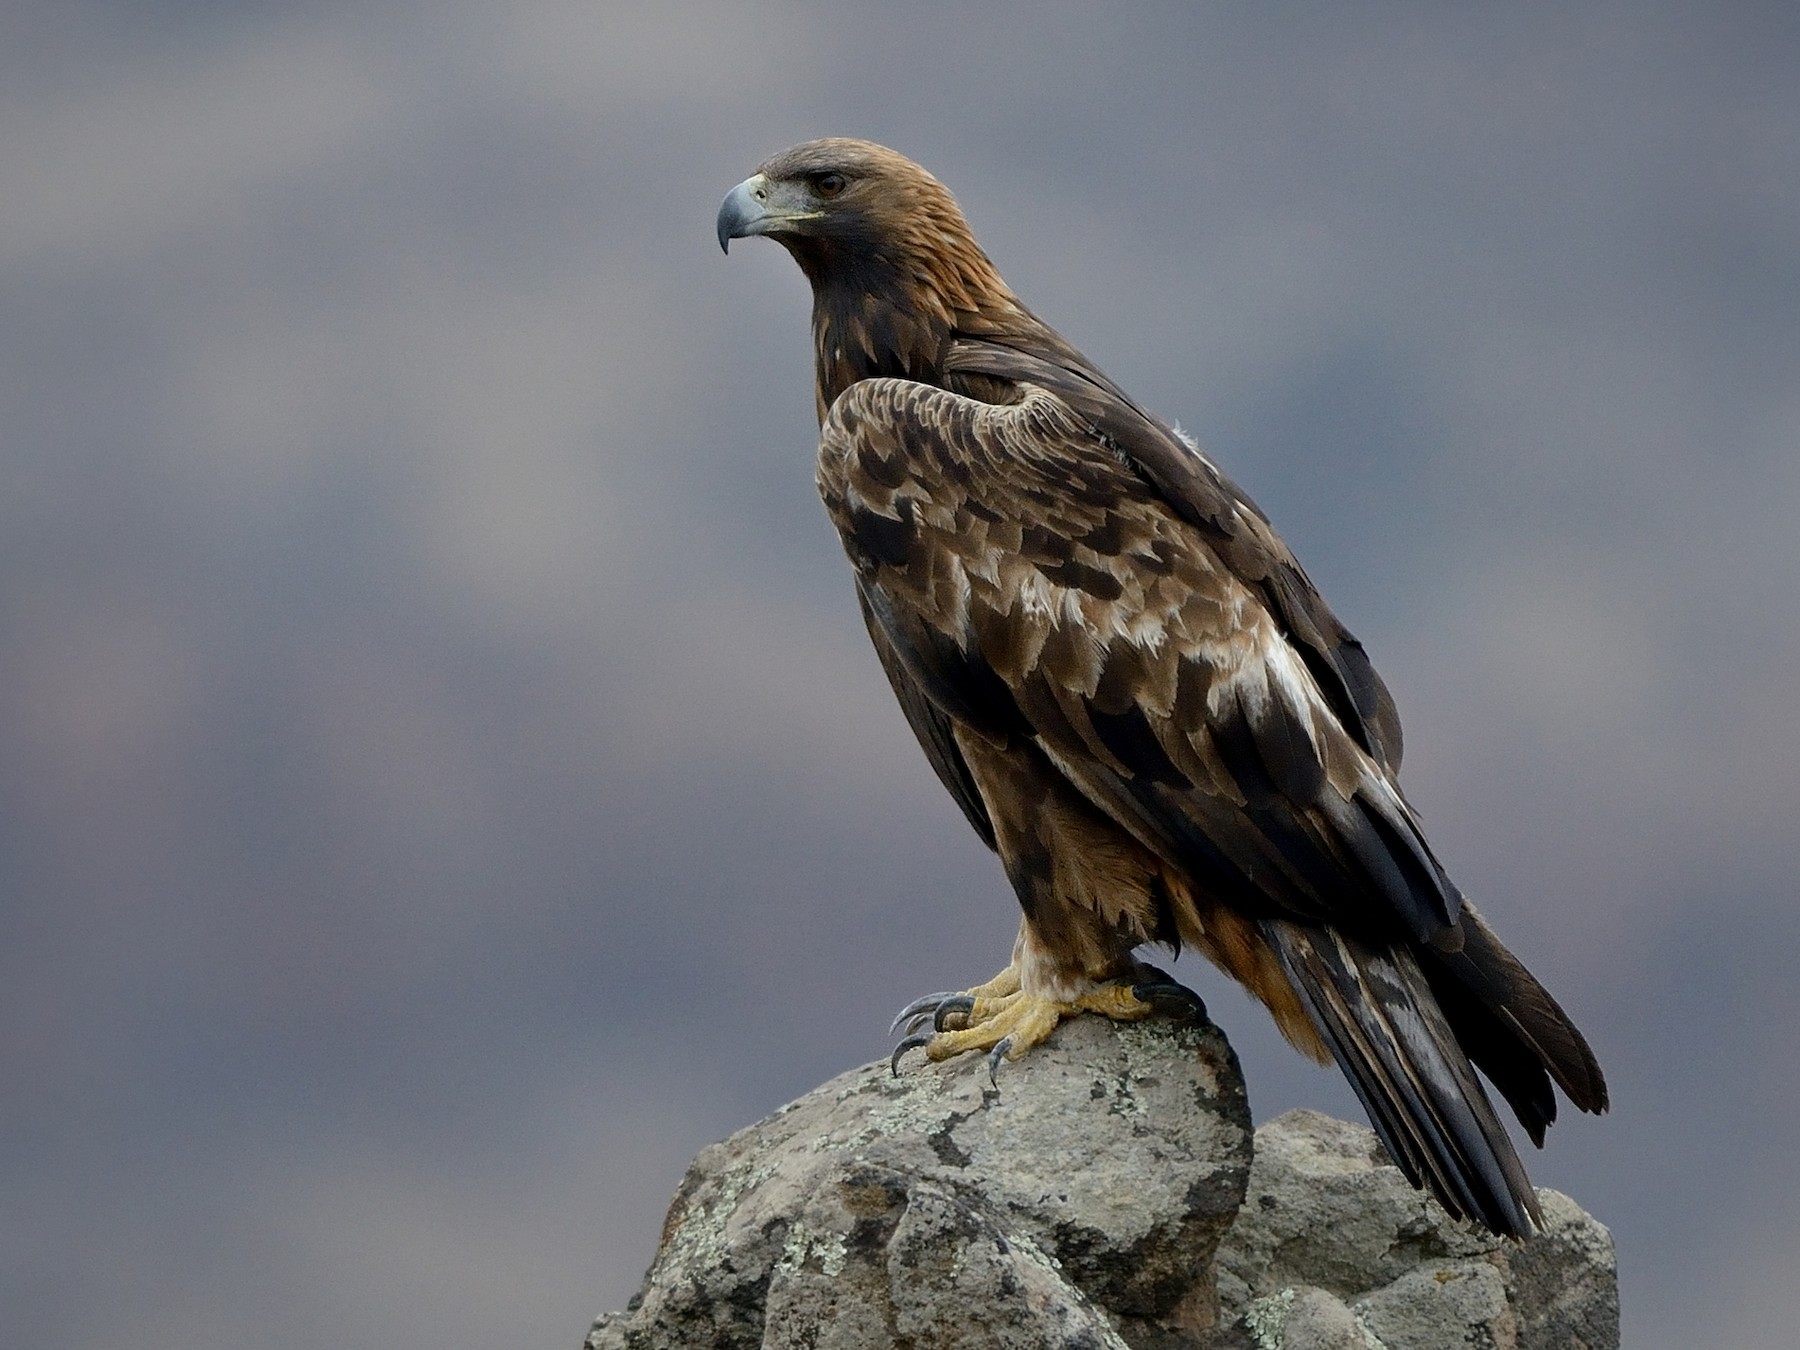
[1060,569]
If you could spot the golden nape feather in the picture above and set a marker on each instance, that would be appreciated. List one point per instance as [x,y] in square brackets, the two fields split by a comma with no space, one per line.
[1136,696]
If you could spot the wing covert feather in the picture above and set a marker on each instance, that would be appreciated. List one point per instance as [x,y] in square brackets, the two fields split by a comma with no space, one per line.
[1236,527]
[1034,583]
[929,723]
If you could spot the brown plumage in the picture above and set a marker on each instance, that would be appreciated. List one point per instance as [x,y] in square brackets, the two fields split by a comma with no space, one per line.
[1136,696]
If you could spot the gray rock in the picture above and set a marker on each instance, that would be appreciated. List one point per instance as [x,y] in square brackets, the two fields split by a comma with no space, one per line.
[1440,1304]
[1086,1204]
[1325,1210]
[946,1275]
[1304,1318]
[1078,1206]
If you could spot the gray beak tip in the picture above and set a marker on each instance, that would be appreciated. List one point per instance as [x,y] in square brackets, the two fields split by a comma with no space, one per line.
[740,214]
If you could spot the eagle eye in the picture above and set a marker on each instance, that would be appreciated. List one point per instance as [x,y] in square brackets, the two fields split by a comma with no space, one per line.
[829,184]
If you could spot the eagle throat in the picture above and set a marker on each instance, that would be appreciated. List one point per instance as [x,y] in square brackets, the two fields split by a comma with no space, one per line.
[861,332]
[882,309]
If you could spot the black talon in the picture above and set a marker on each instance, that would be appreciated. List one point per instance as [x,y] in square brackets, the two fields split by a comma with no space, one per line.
[910,1043]
[995,1055]
[962,1003]
[916,1011]
[1169,997]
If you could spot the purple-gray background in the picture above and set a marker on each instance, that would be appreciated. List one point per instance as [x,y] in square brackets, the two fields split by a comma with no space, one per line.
[444,780]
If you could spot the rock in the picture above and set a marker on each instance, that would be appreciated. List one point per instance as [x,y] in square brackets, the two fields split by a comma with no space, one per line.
[1326,1212]
[1304,1318]
[1077,1206]
[1086,1204]
[1441,1303]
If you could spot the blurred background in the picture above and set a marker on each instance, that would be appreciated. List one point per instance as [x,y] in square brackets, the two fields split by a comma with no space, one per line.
[443,780]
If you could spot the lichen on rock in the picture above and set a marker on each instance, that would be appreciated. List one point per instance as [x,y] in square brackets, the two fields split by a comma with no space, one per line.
[1103,1198]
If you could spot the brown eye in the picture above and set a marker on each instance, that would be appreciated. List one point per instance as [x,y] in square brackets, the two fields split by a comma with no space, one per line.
[830,184]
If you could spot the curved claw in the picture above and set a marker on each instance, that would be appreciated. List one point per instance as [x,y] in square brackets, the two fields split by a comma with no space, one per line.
[995,1055]
[910,1043]
[961,1003]
[915,1012]
[1169,997]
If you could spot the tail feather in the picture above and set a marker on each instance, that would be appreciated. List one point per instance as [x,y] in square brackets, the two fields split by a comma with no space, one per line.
[1510,1062]
[1536,1026]
[1376,1010]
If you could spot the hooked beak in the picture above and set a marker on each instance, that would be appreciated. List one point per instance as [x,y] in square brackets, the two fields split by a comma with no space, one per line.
[745,211]
[757,206]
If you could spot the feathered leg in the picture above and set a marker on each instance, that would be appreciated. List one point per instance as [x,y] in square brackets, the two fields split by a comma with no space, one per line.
[1090,894]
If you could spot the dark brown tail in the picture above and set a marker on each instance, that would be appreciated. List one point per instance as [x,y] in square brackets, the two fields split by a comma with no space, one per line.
[1510,1026]
[1405,1028]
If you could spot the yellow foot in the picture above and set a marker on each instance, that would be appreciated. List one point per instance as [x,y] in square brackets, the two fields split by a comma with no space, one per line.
[1003,1020]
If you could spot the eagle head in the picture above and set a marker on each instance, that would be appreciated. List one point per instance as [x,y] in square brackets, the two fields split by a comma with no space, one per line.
[859,217]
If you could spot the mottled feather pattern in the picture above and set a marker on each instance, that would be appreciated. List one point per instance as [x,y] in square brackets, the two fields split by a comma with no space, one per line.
[1013,535]
[1133,690]
[1193,487]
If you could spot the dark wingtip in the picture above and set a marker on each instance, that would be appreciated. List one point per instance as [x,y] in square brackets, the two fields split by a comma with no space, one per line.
[1400,1054]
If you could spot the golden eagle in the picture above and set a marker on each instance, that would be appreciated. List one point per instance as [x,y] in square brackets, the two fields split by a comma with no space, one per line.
[1136,696]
